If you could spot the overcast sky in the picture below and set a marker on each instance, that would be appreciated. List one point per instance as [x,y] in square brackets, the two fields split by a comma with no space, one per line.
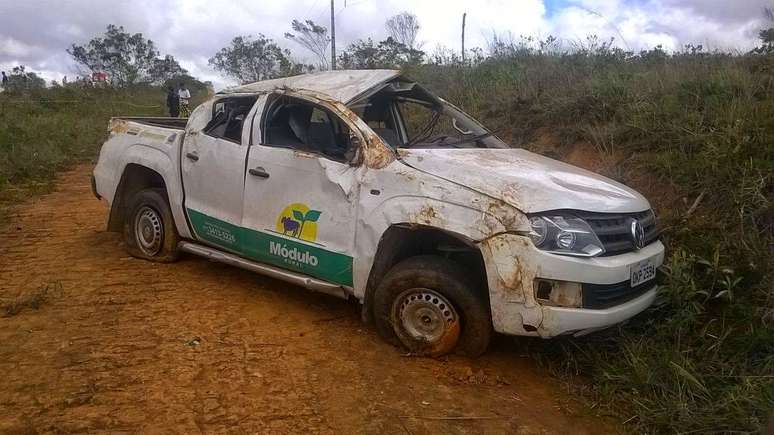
[37,32]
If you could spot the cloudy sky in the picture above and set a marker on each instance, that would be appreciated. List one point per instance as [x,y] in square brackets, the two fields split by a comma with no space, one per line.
[37,32]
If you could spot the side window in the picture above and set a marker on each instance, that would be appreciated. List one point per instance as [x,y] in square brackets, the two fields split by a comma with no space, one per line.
[228,118]
[297,124]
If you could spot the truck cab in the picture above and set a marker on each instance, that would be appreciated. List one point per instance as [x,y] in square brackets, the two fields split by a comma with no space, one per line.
[365,185]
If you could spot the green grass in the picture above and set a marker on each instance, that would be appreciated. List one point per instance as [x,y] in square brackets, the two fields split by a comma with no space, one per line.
[694,125]
[47,130]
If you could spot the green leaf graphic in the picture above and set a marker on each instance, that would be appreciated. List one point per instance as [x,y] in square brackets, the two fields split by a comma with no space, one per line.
[298,215]
[312,215]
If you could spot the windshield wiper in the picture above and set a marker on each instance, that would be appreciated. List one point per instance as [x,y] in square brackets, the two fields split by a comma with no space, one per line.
[470,139]
[427,131]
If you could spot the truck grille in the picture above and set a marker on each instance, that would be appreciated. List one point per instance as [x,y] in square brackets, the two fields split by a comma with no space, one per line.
[600,296]
[614,229]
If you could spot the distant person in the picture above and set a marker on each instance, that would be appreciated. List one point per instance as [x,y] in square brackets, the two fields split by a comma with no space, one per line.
[173,102]
[185,95]
[5,80]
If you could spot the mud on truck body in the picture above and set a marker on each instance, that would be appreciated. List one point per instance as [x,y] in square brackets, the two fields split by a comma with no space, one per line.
[363,184]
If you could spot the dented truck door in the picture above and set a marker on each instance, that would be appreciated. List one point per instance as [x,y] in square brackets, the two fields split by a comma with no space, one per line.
[212,167]
[300,190]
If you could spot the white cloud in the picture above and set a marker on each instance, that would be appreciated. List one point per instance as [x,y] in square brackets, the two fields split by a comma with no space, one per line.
[644,24]
[37,32]
[12,47]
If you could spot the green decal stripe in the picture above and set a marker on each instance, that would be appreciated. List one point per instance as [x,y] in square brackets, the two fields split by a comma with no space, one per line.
[273,249]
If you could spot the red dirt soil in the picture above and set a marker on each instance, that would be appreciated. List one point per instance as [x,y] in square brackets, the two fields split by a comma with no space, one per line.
[126,345]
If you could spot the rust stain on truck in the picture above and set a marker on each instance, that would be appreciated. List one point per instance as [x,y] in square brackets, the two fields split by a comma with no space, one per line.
[118,126]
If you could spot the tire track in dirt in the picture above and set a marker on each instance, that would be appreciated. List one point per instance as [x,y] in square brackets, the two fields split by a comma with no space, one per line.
[132,346]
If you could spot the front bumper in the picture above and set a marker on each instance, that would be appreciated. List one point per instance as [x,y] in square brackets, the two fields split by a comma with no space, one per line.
[513,264]
[560,320]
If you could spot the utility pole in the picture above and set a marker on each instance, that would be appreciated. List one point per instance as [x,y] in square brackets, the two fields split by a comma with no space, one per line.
[464,14]
[333,38]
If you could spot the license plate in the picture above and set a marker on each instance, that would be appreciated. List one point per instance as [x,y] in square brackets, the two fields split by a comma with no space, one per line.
[642,272]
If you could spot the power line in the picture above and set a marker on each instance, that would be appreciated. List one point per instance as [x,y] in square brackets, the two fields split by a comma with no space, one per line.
[333,38]
[333,27]
[316,11]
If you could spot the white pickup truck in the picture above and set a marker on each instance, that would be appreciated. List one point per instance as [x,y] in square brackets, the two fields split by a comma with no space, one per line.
[362,184]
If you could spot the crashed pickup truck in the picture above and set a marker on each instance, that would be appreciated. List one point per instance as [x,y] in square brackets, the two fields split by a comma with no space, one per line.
[365,185]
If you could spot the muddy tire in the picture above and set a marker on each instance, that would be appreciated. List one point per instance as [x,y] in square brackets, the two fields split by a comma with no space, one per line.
[149,228]
[428,305]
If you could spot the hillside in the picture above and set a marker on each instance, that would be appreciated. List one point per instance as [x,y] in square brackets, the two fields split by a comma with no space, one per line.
[694,132]
[44,131]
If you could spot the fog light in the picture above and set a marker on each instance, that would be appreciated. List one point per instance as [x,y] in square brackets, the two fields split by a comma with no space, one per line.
[543,290]
[558,293]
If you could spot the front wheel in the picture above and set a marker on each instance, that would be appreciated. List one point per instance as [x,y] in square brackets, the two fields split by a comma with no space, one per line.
[149,229]
[428,305]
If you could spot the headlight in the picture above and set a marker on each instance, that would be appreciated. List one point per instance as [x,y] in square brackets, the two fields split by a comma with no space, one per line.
[565,235]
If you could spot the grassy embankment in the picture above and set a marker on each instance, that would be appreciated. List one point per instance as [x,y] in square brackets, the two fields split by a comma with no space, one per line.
[46,130]
[695,133]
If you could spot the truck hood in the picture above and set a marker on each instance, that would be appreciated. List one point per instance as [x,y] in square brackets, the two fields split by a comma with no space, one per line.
[528,181]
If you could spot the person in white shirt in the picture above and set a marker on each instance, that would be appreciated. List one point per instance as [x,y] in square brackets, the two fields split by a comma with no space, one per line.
[184,94]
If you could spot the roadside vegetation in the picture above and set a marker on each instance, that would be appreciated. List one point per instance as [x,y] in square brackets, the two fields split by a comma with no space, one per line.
[693,130]
[43,131]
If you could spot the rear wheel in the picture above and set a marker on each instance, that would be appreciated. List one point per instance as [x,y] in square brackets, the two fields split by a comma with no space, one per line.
[429,306]
[149,229]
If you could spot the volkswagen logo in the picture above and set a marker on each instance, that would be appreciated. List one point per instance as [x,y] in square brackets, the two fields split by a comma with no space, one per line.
[638,234]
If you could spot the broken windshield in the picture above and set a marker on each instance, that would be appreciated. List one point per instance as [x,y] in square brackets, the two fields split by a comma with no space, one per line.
[442,125]
[405,115]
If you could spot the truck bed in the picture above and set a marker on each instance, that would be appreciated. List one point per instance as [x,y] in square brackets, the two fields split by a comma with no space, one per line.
[173,123]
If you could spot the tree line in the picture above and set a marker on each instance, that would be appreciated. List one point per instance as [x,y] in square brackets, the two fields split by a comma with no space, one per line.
[120,59]
[254,58]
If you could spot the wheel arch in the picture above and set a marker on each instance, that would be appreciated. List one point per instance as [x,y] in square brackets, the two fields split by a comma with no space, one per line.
[404,240]
[134,178]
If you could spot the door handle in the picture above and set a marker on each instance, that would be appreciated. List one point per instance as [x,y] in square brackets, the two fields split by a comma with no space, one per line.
[193,156]
[259,172]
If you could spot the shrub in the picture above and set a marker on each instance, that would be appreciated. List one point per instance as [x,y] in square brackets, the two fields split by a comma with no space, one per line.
[702,358]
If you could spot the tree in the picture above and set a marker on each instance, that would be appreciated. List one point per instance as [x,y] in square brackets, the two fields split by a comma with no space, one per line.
[386,54]
[314,38]
[165,69]
[250,59]
[766,35]
[403,28]
[20,80]
[127,59]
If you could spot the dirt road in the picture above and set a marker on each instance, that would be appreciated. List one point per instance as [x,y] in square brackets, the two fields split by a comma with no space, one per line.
[123,345]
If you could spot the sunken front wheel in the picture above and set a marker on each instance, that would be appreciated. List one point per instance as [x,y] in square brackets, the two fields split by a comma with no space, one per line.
[149,229]
[431,307]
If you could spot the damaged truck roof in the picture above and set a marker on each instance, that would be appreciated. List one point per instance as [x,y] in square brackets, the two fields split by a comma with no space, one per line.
[342,85]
